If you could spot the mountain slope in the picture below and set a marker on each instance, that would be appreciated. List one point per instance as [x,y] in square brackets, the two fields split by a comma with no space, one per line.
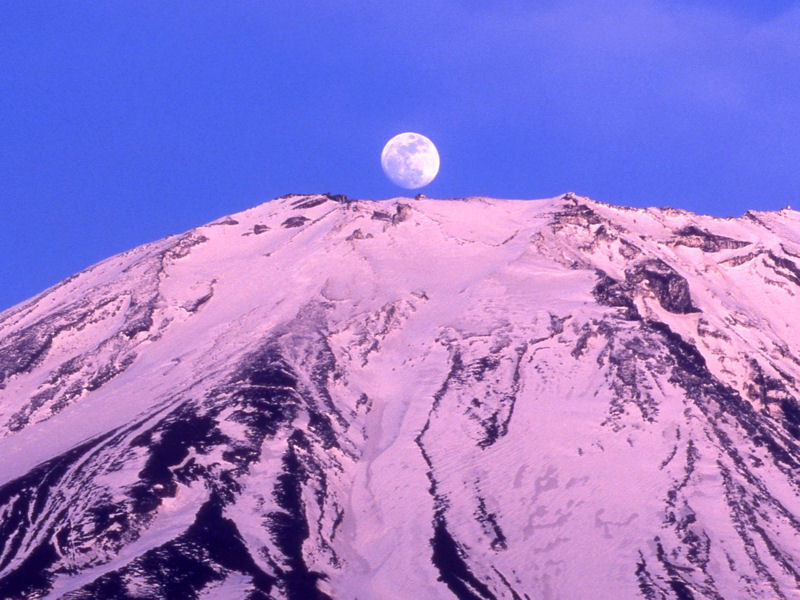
[473,399]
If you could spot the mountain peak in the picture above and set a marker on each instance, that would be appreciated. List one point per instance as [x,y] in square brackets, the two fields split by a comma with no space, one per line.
[473,398]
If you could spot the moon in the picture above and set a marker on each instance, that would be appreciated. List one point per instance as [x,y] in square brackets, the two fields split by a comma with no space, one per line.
[410,160]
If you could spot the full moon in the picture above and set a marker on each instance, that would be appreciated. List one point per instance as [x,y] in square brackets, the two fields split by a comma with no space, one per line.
[410,160]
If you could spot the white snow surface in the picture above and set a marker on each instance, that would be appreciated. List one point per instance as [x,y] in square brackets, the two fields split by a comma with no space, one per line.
[473,417]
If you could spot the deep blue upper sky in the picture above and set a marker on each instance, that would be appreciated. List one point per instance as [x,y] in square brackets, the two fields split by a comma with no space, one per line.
[124,121]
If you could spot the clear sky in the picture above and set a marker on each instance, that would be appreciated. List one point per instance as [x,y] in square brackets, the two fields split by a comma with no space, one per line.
[124,121]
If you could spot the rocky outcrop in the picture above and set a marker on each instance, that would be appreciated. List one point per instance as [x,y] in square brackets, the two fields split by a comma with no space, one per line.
[670,289]
[694,237]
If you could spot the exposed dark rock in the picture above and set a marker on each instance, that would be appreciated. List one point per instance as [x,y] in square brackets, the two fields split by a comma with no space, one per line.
[108,371]
[141,321]
[694,237]
[448,558]
[22,417]
[69,381]
[704,329]
[576,213]
[226,221]
[764,388]
[670,288]
[31,579]
[185,243]
[195,305]
[628,250]
[740,260]
[629,360]
[210,549]
[785,268]
[168,445]
[264,394]
[23,501]
[490,526]
[402,213]
[258,228]
[791,415]
[557,324]
[713,396]
[295,221]
[380,215]
[22,351]
[610,292]
[310,202]
[289,527]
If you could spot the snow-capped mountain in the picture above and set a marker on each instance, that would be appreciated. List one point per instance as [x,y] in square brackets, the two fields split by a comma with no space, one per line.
[412,399]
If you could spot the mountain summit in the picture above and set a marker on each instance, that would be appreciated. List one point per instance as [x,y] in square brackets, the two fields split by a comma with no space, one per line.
[477,399]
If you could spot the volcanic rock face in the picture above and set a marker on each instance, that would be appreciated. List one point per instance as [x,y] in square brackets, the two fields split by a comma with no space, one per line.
[473,399]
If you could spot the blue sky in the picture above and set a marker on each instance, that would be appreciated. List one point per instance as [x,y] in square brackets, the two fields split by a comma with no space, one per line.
[122,121]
